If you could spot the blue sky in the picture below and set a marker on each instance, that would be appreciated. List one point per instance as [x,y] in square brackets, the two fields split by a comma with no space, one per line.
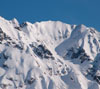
[69,11]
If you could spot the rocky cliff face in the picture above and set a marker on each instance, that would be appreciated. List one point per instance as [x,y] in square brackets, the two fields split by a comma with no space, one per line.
[48,55]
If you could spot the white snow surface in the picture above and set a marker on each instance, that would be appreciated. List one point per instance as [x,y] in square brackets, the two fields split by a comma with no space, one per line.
[35,56]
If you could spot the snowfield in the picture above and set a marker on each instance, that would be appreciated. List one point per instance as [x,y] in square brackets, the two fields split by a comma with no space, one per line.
[48,55]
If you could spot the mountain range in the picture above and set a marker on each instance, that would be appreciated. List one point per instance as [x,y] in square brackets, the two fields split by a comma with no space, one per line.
[48,55]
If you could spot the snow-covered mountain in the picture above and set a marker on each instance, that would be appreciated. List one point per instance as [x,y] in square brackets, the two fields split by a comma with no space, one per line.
[48,55]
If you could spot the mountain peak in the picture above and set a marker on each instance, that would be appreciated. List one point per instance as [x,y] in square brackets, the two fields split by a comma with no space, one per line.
[15,22]
[81,28]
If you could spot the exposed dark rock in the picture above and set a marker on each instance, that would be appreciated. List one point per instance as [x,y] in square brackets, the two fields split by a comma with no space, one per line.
[5,66]
[18,28]
[8,38]
[74,55]
[5,56]
[11,79]
[92,30]
[94,72]
[13,43]
[23,24]
[3,86]
[19,47]
[50,71]
[1,36]
[1,30]
[21,85]
[63,71]
[43,52]
[97,78]
[32,80]
[80,53]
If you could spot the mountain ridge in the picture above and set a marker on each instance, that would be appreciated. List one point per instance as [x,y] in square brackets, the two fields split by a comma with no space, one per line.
[48,55]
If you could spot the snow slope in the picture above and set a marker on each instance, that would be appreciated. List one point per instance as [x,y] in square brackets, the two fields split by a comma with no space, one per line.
[48,55]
